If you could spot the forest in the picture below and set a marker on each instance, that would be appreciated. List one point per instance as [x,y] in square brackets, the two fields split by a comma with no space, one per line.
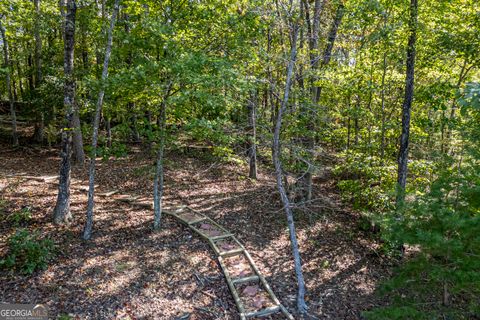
[240,159]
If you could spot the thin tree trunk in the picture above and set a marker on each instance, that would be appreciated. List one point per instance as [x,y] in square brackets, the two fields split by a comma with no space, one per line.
[38,133]
[108,127]
[13,84]
[308,140]
[301,305]
[407,105]
[382,94]
[252,128]
[31,84]
[332,36]
[9,87]
[158,180]
[87,232]
[19,75]
[348,133]
[356,122]
[61,213]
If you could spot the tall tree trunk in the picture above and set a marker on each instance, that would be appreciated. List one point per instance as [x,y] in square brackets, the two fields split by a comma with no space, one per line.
[78,152]
[30,72]
[301,305]
[252,131]
[308,140]
[407,104]
[13,84]
[61,213]
[9,87]
[356,124]
[332,37]
[19,76]
[87,232]
[158,180]
[348,133]
[382,97]
[108,127]
[38,132]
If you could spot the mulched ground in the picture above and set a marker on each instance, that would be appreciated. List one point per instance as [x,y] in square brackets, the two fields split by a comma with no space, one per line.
[127,271]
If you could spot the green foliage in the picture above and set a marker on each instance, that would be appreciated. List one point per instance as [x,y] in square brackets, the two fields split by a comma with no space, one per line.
[443,226]
[27,252]
[214,133]
[117,150]
[21,217]
[366,182]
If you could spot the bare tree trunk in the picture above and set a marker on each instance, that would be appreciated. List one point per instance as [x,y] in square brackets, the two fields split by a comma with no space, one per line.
[158,181]
[87,232]
[19,76]
[308,140]
[9,87]
[356,124]
[301,305]
[348,133]
[382,139]
[61,213]
[407,105]
[314,63]
[252,129]
[78,152]
[108,127]
[38,133]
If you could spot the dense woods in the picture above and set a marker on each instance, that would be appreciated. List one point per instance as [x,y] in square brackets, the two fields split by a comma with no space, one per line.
[377,99]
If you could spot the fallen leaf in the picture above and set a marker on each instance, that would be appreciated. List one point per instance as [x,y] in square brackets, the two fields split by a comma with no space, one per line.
[250,290]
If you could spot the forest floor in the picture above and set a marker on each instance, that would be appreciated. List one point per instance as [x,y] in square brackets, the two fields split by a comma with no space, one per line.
[127,271]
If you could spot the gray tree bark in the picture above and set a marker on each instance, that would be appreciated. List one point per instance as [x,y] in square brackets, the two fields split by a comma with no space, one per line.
[301,305]
[158,180]
[61,213]
[382,97]
[309,141]
[38,133]
[78,152]
[252,129]
[87,232]
[9,86]
[407,104]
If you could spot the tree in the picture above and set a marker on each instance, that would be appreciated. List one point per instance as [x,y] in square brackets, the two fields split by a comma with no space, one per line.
[38,133]
[252,128]
[87,232]
[407,103]
[294,28]
[61,213]
[7,67]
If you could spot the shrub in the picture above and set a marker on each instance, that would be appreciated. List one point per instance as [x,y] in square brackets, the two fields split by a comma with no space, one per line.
[21,217]
[27,252]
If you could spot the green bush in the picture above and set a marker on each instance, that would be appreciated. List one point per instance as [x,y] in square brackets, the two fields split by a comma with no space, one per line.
[366,182]
[27,252]
[442,280]
[21,217]
[214,133]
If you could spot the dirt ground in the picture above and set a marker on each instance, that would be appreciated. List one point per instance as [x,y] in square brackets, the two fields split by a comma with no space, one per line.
[127,271]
